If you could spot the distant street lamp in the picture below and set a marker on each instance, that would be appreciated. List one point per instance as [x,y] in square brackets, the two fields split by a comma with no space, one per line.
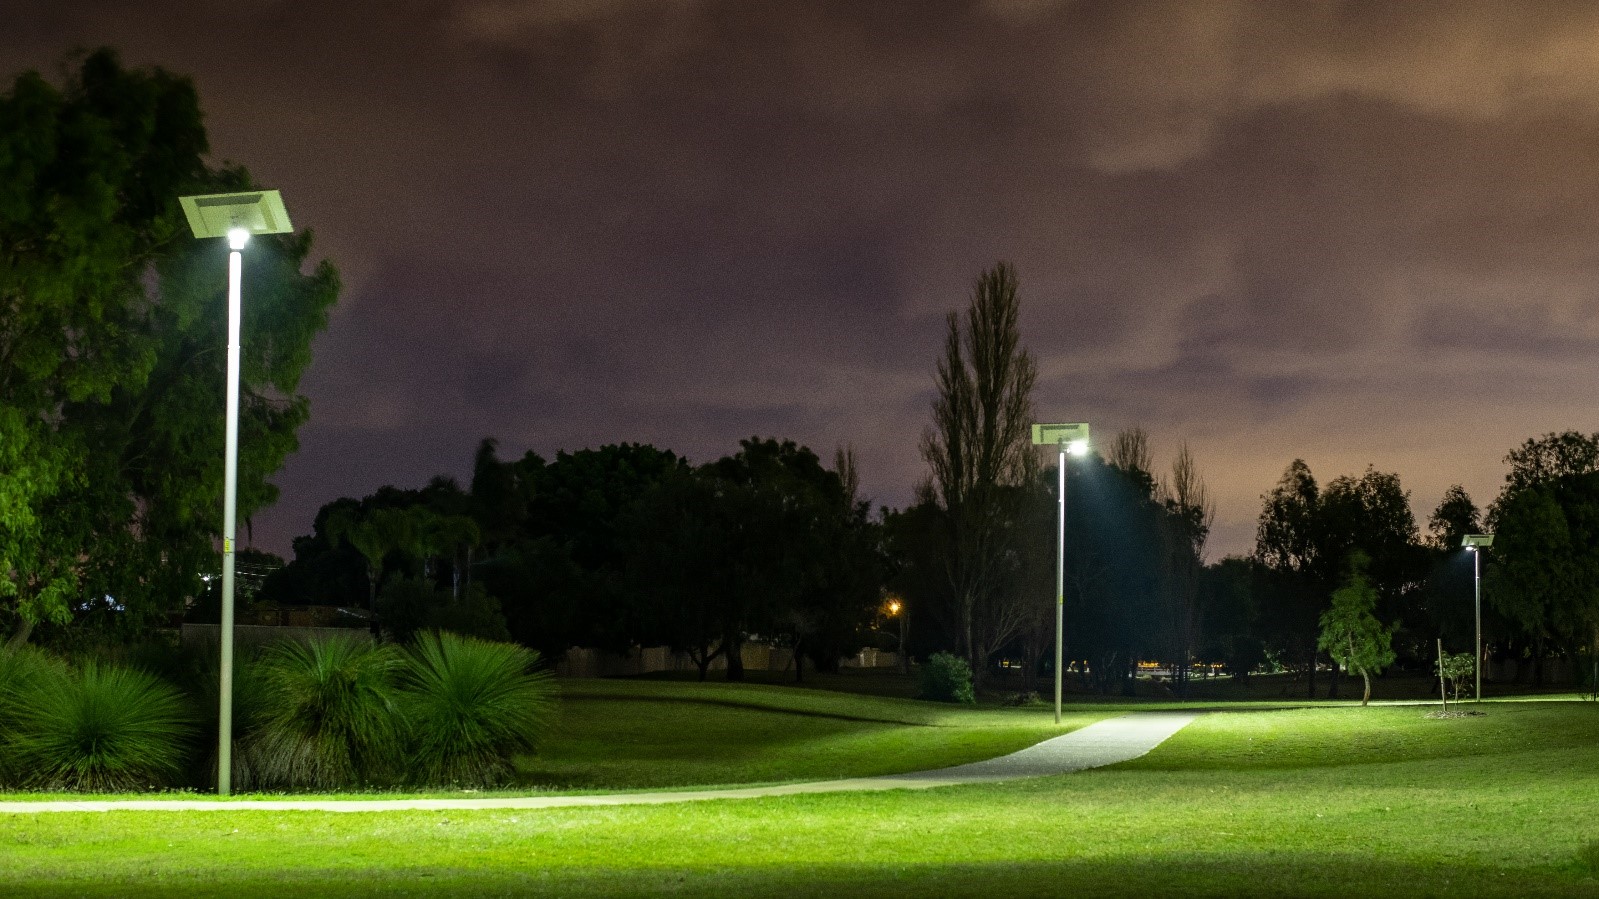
[1472,542]
[236,217]
[1073,439]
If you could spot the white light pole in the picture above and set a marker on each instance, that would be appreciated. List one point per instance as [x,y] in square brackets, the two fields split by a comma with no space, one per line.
[1073,439]
[236,217]
[1474,543]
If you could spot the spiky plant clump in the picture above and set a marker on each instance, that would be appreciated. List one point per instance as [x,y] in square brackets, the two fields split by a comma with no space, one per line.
[472,705]
[99,728]
[22,670]
[328,717]
[249,697]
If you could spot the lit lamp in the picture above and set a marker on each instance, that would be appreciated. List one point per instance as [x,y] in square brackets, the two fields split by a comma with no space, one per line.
[896,609]
[1071,439]
[236,217]
[1472,542]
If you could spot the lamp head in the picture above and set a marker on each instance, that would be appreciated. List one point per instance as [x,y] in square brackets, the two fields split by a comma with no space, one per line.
[1070,435]
[1472,541]
[237,238]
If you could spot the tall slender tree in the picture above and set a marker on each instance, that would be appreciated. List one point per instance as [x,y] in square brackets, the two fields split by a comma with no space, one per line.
[1190,513]
[981,459]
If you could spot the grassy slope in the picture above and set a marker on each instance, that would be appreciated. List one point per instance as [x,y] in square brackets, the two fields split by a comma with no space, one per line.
[640,734]
[1340,801]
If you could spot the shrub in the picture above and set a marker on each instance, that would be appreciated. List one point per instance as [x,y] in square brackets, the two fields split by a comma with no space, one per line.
[101,728]
[411,606]
[947,678]
[249,699]
[328,716]
[471,706]
[22,670]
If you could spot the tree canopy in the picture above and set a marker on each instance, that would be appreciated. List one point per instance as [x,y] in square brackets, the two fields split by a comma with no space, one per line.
[112,323]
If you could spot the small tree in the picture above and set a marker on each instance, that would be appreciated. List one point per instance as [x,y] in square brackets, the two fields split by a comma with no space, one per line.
[1351,633]
[1459,669]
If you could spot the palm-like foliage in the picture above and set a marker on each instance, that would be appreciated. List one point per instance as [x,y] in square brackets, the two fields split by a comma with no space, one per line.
[102,727]
[22,670]
[328,717]
[249,699]
[472,705]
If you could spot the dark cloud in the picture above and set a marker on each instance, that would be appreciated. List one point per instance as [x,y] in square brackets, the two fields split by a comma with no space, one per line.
[1353,232]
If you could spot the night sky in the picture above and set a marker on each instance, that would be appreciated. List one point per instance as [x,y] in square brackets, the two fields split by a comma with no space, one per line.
[1351,232]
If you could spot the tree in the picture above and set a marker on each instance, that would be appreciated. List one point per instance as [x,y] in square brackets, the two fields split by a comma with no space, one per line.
[1455,517]
[1289,547]
[1190,512]
[1371,515]
[1550,457]
[111,320]
[1350,631]
[1307,536]
[979,451]
[375,535]
[1544,575]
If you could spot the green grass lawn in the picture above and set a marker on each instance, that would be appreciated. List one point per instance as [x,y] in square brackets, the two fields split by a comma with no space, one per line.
[633,734]
[1328,801]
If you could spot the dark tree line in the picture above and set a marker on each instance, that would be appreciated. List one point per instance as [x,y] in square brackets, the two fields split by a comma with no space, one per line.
[613,548]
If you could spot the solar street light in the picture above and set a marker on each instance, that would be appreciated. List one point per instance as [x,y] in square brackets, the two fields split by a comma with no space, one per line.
[235,216]
[1071,439]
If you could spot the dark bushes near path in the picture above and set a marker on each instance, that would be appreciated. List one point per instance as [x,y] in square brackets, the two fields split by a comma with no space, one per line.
[328,714]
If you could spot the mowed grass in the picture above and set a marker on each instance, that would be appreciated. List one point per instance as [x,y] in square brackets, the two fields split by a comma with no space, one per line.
[629,734]
[1328,801]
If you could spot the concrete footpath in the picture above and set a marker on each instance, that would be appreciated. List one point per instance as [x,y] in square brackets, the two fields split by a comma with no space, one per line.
[1102,743]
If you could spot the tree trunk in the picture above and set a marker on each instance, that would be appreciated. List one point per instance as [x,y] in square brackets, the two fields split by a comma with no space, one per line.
[734,648]
[1310,674]
[1367,678]
[799,663]
[20,636]
[1332,691]
[372,602]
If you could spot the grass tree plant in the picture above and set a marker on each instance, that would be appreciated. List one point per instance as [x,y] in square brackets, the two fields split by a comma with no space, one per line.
[329,715]
[96,728]
[472,706]
[22,670]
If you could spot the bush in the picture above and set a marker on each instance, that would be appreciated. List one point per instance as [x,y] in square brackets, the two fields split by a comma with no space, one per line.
[249,701]
[410,606]
[22,671]
[329,716]
[100,728]
[471,706]
[947,678]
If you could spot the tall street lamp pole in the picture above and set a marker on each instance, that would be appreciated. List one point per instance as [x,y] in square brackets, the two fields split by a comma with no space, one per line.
[236,217]
[1070,439]
[1474,544]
